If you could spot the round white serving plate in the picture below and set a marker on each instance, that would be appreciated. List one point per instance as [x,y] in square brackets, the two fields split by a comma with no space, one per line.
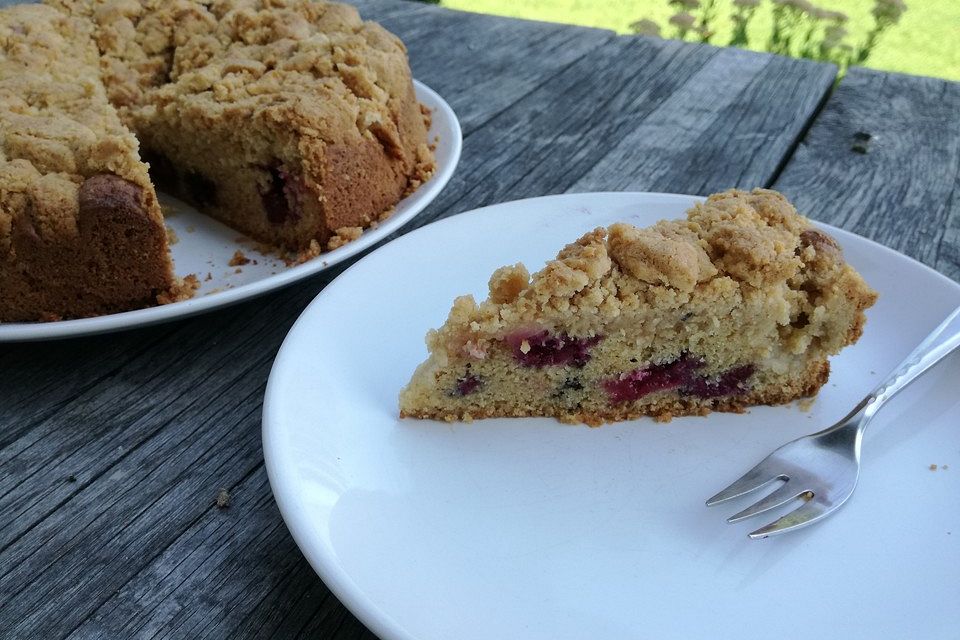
[205,247]
[529,528]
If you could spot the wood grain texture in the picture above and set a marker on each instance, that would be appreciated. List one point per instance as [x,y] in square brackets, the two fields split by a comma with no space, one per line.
[644,114]
[484,64]
[730,124]
[113,449]
[113,528]
[883,160]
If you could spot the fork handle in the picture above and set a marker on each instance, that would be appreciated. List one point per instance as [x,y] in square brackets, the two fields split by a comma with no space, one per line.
[934,348]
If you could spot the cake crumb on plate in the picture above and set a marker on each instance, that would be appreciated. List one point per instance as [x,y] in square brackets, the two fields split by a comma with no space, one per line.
[239,258]
[182,289]
[342,236]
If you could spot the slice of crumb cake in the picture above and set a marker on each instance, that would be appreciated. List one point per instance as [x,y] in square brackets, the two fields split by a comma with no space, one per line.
[740,304]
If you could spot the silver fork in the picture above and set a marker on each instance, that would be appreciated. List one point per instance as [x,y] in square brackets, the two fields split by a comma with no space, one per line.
[821,469]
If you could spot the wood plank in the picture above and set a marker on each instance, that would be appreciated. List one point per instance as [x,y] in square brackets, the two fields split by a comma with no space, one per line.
[155,481]
[483,64]
[39,395]
[899,187]
[140,504]
[268,590]
[732,124]
[643,114]
[141,478]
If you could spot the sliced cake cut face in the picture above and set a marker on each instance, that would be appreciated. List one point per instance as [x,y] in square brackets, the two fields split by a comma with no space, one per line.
[739,304]
[81,232]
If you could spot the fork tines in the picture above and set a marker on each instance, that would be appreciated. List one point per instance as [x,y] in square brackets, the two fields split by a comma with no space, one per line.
[757,478]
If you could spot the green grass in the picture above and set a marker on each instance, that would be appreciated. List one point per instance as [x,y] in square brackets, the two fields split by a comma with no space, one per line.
[925,42]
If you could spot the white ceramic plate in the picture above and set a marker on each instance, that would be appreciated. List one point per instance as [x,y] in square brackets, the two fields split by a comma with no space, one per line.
[534,529]
[204,247]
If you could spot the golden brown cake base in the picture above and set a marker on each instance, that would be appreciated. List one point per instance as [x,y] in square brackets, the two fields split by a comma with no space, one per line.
[115,261]
[738,305]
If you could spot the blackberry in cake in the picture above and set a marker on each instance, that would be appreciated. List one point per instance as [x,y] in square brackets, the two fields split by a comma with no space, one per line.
[740,304]
[81,232]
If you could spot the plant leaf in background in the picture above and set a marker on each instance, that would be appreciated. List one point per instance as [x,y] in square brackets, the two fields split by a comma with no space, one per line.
[922,41]
[799,28]
[743,11]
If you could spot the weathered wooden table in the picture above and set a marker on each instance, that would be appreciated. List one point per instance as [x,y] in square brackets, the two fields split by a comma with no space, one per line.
[113,449]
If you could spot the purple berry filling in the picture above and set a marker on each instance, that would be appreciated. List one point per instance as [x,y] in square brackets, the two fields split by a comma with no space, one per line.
[282,200]
[201,189]
[653,378]
[467,384]
[729,383]
[544,349]
[162,169]
[680,374]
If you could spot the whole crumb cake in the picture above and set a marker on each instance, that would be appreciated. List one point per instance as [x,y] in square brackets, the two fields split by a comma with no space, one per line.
[740,304]
[286,119]
[291,120]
